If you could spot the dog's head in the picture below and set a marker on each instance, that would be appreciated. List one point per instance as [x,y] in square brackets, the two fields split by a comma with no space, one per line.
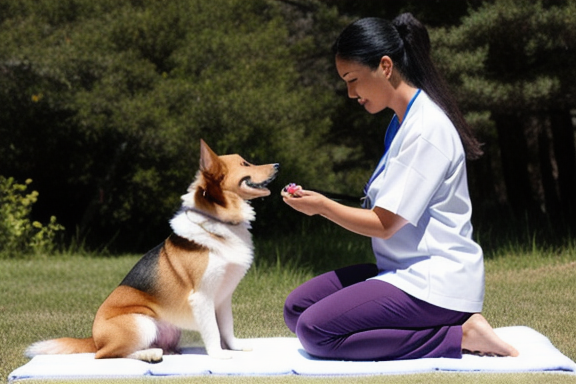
[223,183]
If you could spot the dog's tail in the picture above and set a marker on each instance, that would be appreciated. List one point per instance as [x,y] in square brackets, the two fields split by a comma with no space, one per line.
[66,345]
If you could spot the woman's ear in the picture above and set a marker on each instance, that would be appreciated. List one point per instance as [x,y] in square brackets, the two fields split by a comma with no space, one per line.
[387,65]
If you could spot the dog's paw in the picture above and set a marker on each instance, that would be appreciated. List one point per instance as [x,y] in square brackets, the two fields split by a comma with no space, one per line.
[151,355]
[220,354]
[239,345]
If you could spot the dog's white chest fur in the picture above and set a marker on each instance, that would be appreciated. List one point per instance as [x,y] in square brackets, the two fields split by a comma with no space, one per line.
[230,256]
[232,243]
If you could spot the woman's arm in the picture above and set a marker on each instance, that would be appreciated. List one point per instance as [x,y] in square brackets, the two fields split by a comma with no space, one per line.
[372,223]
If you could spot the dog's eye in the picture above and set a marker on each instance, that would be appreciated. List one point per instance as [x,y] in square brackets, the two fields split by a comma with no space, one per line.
[245,164]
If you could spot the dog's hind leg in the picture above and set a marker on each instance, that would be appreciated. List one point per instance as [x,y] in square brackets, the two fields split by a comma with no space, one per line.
[128,335]
[167,337]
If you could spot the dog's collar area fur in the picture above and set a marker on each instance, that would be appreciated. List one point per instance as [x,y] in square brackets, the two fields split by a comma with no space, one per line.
[207,215]
[194,225]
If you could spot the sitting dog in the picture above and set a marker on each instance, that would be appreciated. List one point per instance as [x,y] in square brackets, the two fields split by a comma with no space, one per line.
[186,282]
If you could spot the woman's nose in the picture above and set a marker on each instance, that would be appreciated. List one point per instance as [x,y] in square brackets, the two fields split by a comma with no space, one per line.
[352,92]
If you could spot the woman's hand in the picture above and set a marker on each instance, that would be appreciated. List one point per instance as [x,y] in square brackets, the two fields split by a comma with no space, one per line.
[308,202]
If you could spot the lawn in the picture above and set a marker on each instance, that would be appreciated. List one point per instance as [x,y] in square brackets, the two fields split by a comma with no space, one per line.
[58,296]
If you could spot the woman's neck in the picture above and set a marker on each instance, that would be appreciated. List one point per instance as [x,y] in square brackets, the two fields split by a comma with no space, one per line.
[404,93]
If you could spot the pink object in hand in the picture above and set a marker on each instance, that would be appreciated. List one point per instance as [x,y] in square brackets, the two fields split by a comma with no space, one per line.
[292,188]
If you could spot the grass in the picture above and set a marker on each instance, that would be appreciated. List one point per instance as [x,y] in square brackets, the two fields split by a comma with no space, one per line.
[58,296]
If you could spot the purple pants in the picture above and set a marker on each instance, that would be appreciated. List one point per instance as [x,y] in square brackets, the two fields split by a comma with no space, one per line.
[340,315]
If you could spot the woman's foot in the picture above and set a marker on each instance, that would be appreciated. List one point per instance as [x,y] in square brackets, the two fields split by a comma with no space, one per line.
[479,338]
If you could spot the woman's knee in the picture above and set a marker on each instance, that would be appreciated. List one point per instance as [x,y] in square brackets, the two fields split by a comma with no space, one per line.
[292,311]
[321,287]
[312,336]
[307,294]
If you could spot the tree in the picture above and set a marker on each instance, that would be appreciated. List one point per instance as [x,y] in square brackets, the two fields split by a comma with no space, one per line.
[106,101]
[509,64]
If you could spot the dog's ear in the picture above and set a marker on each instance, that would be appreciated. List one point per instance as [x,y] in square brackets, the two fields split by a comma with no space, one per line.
[208,159]
[213,171]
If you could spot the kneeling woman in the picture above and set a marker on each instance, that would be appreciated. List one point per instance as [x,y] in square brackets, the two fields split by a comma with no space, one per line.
[423,296]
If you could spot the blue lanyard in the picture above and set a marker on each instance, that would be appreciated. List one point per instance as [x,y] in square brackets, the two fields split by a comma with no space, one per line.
[391,132]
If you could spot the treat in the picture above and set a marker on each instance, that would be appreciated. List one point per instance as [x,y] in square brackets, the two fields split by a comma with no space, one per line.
[290,190]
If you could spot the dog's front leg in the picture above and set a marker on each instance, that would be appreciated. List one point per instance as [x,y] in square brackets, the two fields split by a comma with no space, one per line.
[204,313]
[226,326]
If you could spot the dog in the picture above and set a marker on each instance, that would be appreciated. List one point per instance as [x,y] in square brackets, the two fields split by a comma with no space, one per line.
[186,282]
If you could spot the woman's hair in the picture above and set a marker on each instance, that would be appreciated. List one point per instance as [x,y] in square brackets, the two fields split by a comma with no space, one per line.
[405,40]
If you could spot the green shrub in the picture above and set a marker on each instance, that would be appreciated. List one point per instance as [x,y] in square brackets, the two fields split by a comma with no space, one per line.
[19,235]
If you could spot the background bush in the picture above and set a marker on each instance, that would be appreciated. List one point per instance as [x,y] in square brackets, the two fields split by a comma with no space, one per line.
[19,235]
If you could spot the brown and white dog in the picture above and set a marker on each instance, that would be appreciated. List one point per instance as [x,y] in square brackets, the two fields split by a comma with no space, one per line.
[186,282]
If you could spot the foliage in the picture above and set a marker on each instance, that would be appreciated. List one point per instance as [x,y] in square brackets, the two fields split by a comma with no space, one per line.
[508,64]
[104,103]
[125,90]
[19,235]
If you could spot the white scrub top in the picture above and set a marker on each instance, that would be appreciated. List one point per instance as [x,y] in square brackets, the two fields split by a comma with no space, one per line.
[433,257]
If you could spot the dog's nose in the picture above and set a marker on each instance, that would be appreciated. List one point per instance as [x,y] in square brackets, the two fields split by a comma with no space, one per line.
[276,166]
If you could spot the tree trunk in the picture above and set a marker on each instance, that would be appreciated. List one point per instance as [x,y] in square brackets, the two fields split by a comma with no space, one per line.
[514,154]
[565,154]
[548,170]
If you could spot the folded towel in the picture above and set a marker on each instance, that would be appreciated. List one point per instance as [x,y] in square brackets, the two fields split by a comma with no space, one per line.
[284,356]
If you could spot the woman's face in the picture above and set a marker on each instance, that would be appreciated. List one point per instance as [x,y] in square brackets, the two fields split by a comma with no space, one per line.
[372,88]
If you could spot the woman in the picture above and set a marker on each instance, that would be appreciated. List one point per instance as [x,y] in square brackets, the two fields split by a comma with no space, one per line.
[424,295]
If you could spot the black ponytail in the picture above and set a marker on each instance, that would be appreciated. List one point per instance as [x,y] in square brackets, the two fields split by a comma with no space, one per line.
[406,41]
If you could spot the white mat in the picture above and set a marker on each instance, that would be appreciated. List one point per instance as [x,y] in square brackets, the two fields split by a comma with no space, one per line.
[285,356]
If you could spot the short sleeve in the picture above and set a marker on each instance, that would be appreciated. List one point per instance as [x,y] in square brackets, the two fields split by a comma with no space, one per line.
[411,178]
